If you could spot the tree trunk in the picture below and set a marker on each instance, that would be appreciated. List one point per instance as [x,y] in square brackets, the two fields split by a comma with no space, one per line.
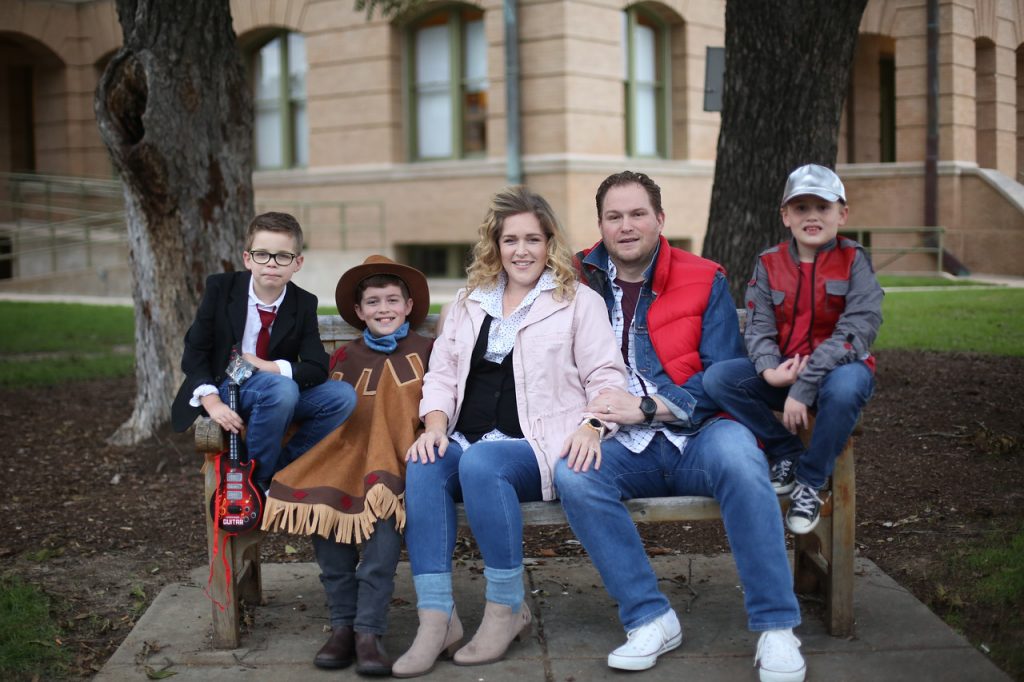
[175,113]
[787,68]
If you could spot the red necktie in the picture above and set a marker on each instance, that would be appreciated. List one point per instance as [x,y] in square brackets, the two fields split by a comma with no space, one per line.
[263,340]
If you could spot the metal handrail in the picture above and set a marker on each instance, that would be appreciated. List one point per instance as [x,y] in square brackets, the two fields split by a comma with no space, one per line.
[930,234]
[67,212]
[70,211]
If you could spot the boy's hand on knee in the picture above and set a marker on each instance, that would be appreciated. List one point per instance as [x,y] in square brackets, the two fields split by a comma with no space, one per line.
[786,373]
[221,414]
[794,415]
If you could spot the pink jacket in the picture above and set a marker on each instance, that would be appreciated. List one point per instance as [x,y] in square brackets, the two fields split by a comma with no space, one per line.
[565,354]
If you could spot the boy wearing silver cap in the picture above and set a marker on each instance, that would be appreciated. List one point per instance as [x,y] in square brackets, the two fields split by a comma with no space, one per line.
[814,307]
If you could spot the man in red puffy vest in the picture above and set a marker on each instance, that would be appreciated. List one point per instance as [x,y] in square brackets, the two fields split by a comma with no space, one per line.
[814,307]
[675,319]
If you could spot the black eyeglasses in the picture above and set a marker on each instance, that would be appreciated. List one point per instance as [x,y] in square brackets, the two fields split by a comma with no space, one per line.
[263,257]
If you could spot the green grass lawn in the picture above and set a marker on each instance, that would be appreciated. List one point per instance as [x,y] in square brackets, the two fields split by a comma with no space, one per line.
[47,343]
[981,321]
[29,638]
[43,344]
[888,281]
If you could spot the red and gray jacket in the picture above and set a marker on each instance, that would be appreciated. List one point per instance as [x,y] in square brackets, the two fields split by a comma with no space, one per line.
[845,317]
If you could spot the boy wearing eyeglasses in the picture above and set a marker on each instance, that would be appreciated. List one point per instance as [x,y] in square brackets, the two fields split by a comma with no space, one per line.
[272,322]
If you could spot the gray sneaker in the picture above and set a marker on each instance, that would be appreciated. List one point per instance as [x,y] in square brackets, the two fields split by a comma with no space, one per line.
[783,475]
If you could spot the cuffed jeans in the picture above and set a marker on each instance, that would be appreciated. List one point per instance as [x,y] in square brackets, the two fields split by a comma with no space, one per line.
[359,588]
[492,478]
[739,390]
[722,461]
[269,403]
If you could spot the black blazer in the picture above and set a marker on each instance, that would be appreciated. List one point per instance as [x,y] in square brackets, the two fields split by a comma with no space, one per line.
[220,324]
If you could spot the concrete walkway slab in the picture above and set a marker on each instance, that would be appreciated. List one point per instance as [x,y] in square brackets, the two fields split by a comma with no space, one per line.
[576,625]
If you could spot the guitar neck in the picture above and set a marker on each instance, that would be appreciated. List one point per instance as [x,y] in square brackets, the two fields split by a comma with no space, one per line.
[232,436]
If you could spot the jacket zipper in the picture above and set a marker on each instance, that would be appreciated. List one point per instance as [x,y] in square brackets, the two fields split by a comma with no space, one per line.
[814,307]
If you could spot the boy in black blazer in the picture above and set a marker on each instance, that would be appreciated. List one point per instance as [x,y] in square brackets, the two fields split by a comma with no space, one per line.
[273,323]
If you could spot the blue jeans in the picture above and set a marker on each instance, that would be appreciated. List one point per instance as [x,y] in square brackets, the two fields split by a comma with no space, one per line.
[721,461]
[739,390]
[358,583]
[492,478]
[271,402]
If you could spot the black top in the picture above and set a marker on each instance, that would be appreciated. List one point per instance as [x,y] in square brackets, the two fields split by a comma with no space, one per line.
[490,399]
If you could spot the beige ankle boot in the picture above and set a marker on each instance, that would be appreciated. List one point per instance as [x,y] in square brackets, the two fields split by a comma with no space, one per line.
[499,627]
[436,636]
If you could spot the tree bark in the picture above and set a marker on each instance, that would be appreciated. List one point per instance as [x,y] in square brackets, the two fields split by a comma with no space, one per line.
[174,110]
[787,68]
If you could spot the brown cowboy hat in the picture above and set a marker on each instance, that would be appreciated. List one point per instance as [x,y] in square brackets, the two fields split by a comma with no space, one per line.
[415,281]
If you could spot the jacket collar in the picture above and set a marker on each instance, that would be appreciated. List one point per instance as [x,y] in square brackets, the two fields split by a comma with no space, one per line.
[598,258]
[795,253]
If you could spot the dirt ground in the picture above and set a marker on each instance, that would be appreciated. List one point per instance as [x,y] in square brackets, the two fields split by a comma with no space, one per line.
[940,469]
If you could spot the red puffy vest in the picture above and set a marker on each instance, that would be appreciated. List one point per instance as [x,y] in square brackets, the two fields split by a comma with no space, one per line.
[831,271]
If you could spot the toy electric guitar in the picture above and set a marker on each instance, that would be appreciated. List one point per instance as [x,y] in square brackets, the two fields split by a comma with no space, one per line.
[237,504]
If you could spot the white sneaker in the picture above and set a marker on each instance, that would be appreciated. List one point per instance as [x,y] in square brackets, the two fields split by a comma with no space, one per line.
[778,657]
[645,643]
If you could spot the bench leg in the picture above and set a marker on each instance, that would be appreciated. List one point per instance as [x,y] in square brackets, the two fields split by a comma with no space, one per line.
[823,559]
[844,518]
[242,555]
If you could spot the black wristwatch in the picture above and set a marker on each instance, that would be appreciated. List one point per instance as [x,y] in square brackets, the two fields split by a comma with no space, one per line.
[595,424]
[649,408]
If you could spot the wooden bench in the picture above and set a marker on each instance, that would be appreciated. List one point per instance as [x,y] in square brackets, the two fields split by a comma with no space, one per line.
[823,559]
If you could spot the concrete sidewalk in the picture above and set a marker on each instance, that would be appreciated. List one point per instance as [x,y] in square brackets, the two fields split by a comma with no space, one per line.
[575,627]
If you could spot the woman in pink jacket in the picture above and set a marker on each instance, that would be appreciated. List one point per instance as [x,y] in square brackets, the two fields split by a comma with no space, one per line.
[520,353]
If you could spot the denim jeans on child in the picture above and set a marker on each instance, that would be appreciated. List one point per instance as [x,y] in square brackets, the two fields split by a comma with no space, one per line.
[271,402]
[721,461]
[359,581]
[738,389]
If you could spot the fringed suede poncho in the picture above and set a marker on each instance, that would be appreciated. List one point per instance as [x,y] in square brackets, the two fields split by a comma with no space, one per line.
[356,475]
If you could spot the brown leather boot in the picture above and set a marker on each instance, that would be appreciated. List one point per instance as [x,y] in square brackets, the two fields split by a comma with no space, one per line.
[497,630]
[339,651]
[371,659]
[437,634]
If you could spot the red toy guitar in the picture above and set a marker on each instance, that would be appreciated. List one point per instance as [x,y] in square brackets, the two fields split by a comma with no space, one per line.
[237,505]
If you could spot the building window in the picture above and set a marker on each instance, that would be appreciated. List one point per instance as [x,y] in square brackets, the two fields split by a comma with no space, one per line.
[646,41]
[436,260]
[449,85]
[278,70]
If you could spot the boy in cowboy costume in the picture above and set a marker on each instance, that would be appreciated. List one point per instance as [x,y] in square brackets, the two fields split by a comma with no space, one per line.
[348,491]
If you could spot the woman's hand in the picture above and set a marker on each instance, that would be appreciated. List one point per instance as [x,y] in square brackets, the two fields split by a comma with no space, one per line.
[422,449]
[582,447]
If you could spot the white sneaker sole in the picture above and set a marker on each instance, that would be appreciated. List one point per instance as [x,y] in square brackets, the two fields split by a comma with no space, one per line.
[804,528]
[777,676]
[643,662]
[784,489]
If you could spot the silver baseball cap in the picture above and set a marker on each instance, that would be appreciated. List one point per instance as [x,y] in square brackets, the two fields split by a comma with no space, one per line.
[816,180]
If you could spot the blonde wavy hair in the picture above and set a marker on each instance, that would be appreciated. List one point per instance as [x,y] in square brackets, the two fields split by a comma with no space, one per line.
[486,266]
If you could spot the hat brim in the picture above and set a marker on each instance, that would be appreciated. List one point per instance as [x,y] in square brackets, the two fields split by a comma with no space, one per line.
[415,281]
[812,192]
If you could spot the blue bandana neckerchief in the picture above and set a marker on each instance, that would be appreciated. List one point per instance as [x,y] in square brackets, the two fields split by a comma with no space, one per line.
[385,344]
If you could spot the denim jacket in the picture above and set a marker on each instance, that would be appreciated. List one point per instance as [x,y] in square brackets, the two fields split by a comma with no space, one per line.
[719,338]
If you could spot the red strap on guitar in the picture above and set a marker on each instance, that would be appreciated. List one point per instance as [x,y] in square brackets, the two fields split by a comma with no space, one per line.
[221,550]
